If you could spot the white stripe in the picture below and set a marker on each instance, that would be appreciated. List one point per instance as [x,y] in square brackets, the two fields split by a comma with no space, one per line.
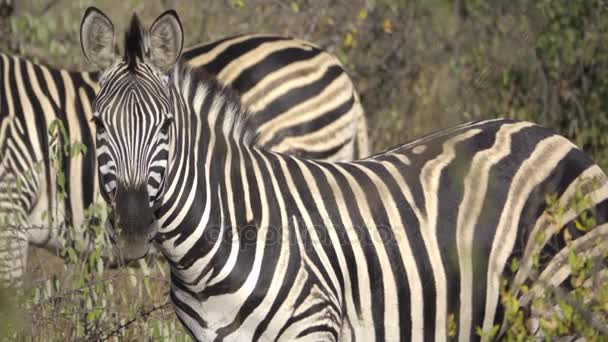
[429,179]
[475,188]
[532,171]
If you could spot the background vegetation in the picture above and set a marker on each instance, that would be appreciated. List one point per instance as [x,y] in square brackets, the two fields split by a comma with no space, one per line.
[418,65]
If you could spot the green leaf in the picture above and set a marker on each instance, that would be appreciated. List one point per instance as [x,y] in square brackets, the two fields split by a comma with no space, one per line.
[514,265]
[295,7]
[567,310]
[362,14]
[239,3]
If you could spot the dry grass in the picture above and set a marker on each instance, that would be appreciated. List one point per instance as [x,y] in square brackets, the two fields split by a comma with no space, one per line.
[132,300]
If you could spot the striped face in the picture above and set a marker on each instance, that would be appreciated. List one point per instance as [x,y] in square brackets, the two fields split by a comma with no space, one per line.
[133,119]
[133,115]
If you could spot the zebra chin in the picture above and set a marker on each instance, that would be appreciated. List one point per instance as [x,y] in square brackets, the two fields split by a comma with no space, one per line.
[132,225]
[130,246]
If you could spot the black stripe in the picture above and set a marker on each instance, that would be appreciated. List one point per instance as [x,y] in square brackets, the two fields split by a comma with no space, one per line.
[321,154]
[563,175]
[315,125]
[187,310]
[345,246]
[251,76]
[235,51]
[247,240]
[450,195]
[188,129]
[309,202]
[197,51]
[289,278]
[297,95]
[523,144]
[218,261]
[374,267]
[414,235]
[87,139]
[39,120]
[4,69]
[272,250]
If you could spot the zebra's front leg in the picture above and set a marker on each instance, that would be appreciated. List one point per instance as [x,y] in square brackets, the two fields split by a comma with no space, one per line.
[13,255]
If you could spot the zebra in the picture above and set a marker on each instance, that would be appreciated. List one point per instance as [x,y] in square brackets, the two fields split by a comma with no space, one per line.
[268,246]
[304,102]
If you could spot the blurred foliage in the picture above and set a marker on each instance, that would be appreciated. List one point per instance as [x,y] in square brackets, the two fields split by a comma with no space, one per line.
[418,65]
[9,313]
[545,61]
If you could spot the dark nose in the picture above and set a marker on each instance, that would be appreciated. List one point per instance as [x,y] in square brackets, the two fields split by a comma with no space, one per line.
[132,210]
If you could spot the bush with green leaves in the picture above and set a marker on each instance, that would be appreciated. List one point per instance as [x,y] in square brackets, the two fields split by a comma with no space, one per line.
[544,61]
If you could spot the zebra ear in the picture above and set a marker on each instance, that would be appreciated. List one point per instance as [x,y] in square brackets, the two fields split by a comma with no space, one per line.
[97,38]
[166,40]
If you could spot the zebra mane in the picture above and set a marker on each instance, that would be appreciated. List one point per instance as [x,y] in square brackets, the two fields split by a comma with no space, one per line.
[233,118]
[134,43]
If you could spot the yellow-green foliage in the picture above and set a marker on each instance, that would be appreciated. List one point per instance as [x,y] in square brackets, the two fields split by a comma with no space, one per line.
[582,311]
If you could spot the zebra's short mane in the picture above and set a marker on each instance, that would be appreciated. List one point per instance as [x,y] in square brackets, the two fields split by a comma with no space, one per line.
[233,119]
[134,43]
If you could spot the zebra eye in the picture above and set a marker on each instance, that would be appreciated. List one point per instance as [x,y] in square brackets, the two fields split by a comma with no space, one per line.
[98,125]
[166,125]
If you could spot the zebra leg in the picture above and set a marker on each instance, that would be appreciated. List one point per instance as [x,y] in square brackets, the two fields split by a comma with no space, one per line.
[46,226]
[13,254]
[13,238]
[20,203]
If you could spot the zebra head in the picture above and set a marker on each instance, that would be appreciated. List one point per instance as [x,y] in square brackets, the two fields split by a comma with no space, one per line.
[133,113]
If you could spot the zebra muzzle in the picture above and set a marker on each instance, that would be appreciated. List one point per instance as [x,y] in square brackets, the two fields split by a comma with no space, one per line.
[132,225]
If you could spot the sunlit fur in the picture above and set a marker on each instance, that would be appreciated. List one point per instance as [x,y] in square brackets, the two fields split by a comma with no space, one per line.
[266,246]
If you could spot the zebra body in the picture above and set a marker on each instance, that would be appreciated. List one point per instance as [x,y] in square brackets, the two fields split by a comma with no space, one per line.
[33,96]
[266,246]
[273,74]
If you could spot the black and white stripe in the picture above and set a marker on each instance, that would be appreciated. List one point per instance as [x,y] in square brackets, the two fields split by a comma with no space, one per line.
[267,246]
[269,70]
[303,102]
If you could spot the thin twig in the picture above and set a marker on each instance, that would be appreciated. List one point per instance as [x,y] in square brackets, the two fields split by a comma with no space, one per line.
[133,320]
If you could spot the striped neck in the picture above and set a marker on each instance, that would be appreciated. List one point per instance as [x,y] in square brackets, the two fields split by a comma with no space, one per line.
[213,144]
